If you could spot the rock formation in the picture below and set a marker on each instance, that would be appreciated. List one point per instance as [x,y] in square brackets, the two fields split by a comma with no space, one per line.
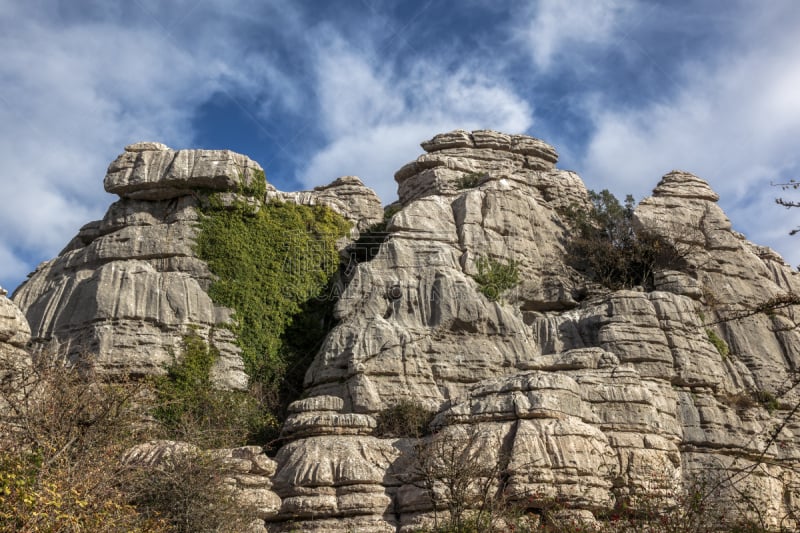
[347,195]
[247,470]
[14,358]
[128,287]
[557,389]
[589,397]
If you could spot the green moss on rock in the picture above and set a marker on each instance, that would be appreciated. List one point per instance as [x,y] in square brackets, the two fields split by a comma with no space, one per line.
[269,262]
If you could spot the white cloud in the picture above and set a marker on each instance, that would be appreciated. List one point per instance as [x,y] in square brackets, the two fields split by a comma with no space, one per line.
[734,121]
[72,97]
[375,117]
[80,84]
[553,29]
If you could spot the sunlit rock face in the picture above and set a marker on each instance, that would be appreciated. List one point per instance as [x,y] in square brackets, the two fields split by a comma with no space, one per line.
[127,289]
[584,396]
[553,389]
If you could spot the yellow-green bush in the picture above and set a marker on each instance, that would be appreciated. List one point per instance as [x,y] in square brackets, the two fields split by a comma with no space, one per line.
[495,277]
[189,407]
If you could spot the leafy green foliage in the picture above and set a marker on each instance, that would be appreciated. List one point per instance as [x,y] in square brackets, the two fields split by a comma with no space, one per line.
[718,342]
[268,263]
[495,277]
[189,407]
[608,250]
[406,418]
[470,181]
[257,188]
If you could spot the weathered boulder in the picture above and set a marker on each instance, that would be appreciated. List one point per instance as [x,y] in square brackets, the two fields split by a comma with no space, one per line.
[153,171]
[460,159]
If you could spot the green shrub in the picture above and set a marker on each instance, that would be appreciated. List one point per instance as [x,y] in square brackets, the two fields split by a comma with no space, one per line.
[494,277]
[189,407]
[718,342]
[256,189]
[767,400]
[407,418]
[470,181]
[606,248]
[270,264]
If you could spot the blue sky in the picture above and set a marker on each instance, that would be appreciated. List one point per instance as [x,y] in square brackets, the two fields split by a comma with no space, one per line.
[625,90]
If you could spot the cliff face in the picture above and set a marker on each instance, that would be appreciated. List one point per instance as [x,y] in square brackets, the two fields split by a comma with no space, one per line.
[14,358]
[564,391]
[580,395]
[128,287]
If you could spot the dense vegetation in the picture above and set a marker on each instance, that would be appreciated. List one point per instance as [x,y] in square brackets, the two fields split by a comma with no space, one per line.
[271,263]
[190,408]
[607,248]
[62,433]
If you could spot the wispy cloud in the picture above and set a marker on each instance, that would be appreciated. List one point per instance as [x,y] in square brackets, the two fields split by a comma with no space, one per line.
[79,84]
[374,114]
[734,121]
[626,89]
[553,30]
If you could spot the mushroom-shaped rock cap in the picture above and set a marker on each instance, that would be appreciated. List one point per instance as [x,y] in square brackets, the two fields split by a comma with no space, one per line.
[682,184]
[518,144]
[153,171]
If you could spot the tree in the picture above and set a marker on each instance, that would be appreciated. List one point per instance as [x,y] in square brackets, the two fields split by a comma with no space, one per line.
[607,248]
[789,185]
[64,431]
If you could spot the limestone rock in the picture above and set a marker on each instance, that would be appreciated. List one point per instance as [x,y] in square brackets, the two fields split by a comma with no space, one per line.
[127,289]
[554,388]
[456,157]
[591,397]
[124,292]
[347,195]
[14,329]
[15,361]
[152,171]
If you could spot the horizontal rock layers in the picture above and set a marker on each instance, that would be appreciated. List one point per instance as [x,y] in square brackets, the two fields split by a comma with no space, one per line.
[551,390]
[128,287]
[584,396]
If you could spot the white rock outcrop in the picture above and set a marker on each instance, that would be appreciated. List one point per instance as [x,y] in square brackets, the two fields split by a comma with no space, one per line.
[584,395]
[564,390]
[128,287]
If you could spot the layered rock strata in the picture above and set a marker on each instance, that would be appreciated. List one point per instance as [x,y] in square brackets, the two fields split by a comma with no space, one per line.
[347,195]
[592,398]
[555,390]
[14,357]
[128,287]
